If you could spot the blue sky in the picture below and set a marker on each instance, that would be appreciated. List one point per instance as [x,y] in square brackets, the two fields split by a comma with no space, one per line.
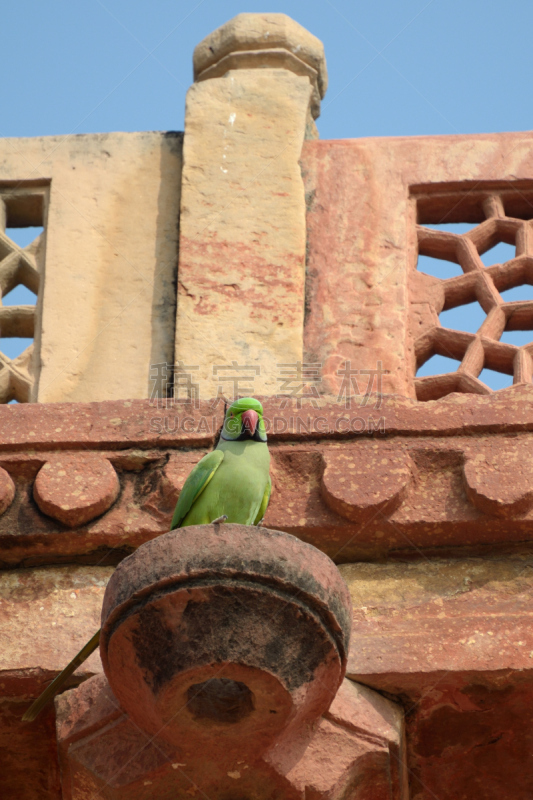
[395,68]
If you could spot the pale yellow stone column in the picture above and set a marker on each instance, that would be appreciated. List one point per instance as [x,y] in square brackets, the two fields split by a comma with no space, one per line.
[241,279]
[104,269]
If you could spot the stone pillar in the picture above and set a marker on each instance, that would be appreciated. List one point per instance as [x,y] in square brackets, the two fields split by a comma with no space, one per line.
[259,80]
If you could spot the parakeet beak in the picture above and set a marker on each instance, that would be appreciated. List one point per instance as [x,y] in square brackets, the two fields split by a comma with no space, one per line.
[249,421]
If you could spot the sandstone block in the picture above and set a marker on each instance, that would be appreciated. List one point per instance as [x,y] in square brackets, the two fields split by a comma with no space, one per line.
[417,624]
[360,486]
[453,639]
[364,297]
[241,286]
[353,496]
[28,754]
[357,749]
[107,304]
[499,480]
[46,616]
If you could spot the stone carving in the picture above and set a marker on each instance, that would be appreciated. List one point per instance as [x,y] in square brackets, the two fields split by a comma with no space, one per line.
[7,490]
[359,482]
[224,648]
[360,739]
[250,41]
[499,479]
[256,611]
[292,252]
[425,485]
[75,488]
[482,284]
[19,266]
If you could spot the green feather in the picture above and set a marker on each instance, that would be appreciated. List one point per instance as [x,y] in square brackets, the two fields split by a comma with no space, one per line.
[237,488]
[264,504]
[195,484]
[233,480]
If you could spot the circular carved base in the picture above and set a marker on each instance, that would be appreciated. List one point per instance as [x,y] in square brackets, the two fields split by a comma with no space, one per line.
[224,635]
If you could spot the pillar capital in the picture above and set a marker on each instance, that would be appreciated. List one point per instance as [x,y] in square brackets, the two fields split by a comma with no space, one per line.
[250,41]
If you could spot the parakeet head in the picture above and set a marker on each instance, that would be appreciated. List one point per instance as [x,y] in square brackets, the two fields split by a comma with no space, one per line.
[244,420]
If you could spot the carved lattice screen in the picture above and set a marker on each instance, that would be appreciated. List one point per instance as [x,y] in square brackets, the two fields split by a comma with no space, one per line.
[21,205]
[504,214]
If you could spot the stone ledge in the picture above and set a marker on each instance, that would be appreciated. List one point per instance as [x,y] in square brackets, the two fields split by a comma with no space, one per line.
[415,486]
[123,424]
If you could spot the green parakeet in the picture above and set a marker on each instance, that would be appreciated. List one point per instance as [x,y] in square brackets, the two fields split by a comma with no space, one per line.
[233,480]
[231,483]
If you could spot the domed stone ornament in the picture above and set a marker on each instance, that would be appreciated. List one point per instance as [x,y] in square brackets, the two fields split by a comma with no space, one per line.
[75,488]
[361,482]
[7,490]
[223,636]
[499,480]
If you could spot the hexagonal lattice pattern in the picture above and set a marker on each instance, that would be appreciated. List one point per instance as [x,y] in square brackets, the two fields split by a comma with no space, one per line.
[18,266]
[482,349]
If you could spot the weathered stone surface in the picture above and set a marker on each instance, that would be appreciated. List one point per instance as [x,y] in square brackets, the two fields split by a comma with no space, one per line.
[362,243]
[472,742]
[75,488]
[275,58]
[360,489]
[362,710]
[29,768]
[388,477]
[119,425]
[357,748]
[453,639]
[153,451]
[208,610]
[242,262]
[46,616]
[107,306]
[414,624]
[7,490]
[249,32]
[119,762]
[84,710]
[499,480]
